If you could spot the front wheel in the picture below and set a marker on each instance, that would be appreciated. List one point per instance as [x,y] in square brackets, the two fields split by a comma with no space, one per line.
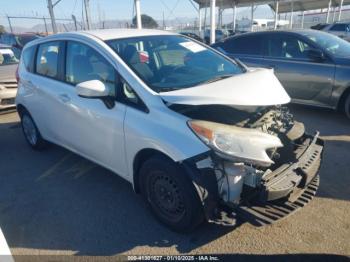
[31,132]
[170,194]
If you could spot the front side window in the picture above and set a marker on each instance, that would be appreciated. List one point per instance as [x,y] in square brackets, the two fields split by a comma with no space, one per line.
[47,59]
[84,63]
[287,47]
[172,62]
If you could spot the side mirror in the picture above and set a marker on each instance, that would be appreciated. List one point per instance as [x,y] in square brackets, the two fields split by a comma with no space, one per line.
[316,55]
[92,89]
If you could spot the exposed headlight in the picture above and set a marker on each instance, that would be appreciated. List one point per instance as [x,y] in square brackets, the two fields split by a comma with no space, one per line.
[236,143]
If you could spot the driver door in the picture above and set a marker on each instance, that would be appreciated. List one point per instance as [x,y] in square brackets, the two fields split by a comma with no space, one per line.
[87,125]
[305,79]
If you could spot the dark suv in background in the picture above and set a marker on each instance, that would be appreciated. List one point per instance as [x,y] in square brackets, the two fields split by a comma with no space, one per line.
[313,66]
[17,41]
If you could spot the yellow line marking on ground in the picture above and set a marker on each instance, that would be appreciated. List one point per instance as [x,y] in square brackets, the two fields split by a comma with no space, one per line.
[343,138]
[52,169]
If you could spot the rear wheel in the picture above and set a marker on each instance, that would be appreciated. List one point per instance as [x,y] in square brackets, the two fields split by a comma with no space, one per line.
[31,132]
[347,106]
[170,194]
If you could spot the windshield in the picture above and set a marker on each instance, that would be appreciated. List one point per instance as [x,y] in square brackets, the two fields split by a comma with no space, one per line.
[172,62]
[333,44]
[7,57]
[22,40]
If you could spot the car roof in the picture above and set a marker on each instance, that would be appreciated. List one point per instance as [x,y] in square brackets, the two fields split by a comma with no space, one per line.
[285,31]
[109,34]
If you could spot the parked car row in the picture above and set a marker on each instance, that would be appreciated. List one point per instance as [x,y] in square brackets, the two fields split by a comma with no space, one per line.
[11,46]
[8,83]
[313,66]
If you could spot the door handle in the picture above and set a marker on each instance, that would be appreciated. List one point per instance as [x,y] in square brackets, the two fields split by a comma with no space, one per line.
[64,98]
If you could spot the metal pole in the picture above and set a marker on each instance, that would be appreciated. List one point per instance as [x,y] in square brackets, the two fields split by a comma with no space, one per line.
[328,10]
[87,14]
[138,14]
[52,15]
[234,16]
[212,21]
[334,13]
[302,19]
[340,9]
[200,21]
[277,4]
[252,18]
[291,15]
[10,25]
[75,22]
[45,26]
[205,18]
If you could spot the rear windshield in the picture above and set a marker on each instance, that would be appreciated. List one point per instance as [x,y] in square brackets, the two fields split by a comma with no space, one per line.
[172,62]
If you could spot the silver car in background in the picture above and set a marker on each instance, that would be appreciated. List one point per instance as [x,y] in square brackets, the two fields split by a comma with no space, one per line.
[313,66]
[341,30]
[8,83]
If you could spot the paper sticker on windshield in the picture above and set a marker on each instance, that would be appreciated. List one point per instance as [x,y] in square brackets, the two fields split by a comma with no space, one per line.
[192,46]
[143,56]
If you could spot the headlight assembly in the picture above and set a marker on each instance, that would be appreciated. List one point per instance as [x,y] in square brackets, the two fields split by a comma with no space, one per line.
[236,143]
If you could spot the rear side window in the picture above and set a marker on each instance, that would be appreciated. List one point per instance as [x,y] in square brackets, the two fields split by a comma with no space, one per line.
[247,45]
[47,59]
[28,58]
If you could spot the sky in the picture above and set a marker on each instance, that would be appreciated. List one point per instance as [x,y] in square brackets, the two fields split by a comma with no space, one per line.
[103,9]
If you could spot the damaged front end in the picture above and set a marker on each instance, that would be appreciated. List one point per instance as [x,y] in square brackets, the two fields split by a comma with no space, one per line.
[262,166]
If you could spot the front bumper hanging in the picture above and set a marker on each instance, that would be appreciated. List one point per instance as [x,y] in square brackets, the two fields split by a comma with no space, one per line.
[287,189]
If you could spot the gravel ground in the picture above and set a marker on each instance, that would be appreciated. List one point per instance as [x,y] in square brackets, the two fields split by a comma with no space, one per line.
[55,202]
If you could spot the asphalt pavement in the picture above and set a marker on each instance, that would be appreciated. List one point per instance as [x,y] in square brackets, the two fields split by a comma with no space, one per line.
[56,202]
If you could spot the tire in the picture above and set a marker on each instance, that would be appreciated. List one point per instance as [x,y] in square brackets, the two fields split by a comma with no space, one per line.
[347,106]
[170,194]
[31,132]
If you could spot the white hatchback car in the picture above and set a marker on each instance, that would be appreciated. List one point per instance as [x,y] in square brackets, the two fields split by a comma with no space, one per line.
[201,136]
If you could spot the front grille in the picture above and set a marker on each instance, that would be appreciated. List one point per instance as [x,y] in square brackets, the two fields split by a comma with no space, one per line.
[9,84]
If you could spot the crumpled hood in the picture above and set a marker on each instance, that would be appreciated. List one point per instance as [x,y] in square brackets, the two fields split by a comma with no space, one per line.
[257,87]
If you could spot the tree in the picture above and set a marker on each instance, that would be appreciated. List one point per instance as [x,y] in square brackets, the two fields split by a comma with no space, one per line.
[2,29]
[147,22]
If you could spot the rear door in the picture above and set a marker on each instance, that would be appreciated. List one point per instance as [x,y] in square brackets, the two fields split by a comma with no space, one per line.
[42,88]
[305,79]
[249,48]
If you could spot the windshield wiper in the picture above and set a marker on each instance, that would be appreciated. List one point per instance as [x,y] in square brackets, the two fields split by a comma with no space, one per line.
[218,78]
[167,89]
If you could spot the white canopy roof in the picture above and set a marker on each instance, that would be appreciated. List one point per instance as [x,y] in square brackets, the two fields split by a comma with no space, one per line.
[305,5]
[230,3]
